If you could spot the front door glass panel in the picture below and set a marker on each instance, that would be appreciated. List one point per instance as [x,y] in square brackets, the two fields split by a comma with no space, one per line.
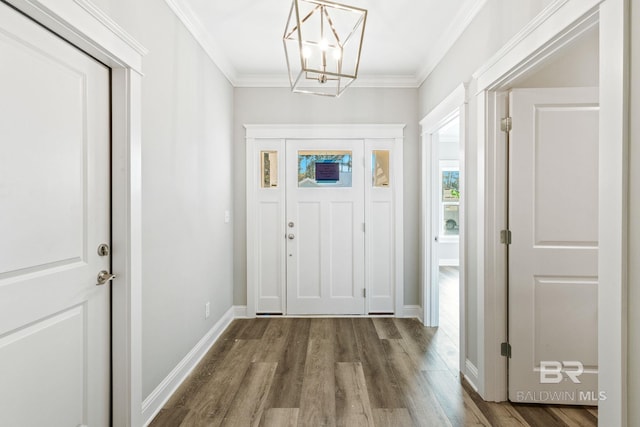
[325,169]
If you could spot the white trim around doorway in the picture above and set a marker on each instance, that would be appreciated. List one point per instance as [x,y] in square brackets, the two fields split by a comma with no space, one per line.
[84,25]
[560,24]
[453,105]
[366,132]
[567,21]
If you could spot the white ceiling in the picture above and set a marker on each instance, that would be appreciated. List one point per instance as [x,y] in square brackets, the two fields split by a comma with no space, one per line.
[404,39]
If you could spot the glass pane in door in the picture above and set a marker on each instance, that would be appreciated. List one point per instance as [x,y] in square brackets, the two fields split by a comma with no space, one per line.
[380,166]
[269,169]
[324,169]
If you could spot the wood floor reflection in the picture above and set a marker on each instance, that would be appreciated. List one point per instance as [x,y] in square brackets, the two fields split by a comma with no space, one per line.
[341,372]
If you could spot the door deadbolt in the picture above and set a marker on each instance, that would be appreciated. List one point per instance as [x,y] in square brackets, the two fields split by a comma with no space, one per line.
[104,276]
[103,249]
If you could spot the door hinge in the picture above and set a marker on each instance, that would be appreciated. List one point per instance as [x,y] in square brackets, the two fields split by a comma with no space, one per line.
[506,124]
[364,292]
[505,237]
[505,349]
[364,227]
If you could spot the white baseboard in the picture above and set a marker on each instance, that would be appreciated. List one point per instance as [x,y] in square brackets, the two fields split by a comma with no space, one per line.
[240,311]
[471,374]
[414,311]
[156,400]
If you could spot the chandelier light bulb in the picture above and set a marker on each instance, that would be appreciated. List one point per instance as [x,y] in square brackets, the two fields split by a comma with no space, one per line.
[306,52]
[337,54]
[324,45]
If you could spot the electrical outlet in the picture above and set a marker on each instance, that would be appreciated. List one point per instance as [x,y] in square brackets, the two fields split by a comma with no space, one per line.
[207,310]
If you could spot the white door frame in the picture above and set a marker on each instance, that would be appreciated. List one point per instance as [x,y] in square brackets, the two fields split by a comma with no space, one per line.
[278,132]
[453,105]
[561,22]
[84,25]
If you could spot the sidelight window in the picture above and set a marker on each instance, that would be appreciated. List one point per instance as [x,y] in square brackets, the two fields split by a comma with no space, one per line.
[269,169]
[380,168]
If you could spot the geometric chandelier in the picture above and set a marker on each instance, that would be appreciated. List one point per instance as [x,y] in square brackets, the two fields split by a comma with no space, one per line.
[322,43]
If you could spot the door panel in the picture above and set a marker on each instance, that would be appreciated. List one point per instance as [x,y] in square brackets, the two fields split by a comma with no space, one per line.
[341,250]
[380,187]
[309,251]
[553,258]
[265,242]
[325,245]
[54,212]
[270,267]
[35,353]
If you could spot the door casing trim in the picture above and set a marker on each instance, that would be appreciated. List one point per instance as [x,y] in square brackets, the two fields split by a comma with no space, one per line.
[283,132]
[453,105]
[83,24]
[568,21]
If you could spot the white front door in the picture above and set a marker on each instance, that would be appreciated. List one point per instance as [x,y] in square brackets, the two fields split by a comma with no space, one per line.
[553,258]
[325,227]
[54,212]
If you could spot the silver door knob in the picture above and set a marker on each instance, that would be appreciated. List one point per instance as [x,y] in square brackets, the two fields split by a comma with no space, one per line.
[291,236]
[104,276]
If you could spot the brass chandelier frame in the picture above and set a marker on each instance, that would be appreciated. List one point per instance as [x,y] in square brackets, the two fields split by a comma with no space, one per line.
[325,75]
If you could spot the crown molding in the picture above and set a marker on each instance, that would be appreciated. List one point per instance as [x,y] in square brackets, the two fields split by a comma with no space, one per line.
[387,81]
[109,23]
[460,23]
[197,29]
[364,81]
[262,80]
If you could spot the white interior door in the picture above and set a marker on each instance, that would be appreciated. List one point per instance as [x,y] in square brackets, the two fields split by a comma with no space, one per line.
[325,227]
[553,258]
[54,212]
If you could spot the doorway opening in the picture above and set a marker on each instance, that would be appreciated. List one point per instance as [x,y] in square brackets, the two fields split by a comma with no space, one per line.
[443,221]
[552,66]
[446,206]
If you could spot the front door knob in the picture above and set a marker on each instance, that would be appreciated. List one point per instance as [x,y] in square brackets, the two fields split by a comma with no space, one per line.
[104,276]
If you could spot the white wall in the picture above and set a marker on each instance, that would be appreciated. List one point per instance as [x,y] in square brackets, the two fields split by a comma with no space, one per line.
[356,105]
[577,66]
[187,108]
[492,28]
[497,22]
[634,223]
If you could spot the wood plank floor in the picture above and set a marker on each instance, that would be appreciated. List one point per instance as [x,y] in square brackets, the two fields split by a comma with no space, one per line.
[341,372]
